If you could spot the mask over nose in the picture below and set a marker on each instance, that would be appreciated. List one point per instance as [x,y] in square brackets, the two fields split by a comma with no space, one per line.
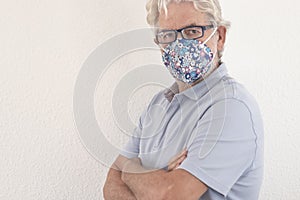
[188,60]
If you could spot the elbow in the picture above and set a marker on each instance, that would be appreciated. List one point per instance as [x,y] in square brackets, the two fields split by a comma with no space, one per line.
[105,191]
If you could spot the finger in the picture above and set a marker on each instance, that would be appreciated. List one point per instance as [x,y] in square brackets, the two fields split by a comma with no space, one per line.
[182,156]
[176,163]
[179,161]
[175,166]
[178,157]
[172,166]
[183,153]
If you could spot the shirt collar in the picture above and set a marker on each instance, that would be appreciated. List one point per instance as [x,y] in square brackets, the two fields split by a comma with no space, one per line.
[198,90]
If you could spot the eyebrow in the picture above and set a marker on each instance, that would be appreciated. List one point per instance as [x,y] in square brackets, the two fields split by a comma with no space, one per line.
[192,24]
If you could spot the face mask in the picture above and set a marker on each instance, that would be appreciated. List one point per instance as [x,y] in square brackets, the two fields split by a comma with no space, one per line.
[188,60]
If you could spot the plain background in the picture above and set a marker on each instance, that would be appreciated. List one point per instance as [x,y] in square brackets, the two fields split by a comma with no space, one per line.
[43,45]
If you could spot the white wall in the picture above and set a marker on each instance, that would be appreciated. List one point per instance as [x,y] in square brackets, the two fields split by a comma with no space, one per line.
[43,46]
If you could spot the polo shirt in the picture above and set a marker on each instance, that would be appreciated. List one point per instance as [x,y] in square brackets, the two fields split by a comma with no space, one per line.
[219,122]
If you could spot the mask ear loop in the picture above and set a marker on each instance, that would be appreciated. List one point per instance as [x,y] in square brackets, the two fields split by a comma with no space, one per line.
[213,33]
[162,48]
[202,45]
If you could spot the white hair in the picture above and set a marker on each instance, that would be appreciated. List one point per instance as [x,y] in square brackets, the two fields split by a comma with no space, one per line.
[211,8]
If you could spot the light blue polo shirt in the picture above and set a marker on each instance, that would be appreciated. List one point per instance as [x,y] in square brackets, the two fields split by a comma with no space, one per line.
[219,123]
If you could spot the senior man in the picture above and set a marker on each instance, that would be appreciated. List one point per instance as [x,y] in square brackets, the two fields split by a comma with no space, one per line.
[201,138]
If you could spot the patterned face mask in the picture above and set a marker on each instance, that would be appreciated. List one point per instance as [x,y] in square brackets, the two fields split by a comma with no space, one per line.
[188,60]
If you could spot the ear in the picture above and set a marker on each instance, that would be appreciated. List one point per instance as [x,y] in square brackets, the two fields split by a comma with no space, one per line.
[222,37]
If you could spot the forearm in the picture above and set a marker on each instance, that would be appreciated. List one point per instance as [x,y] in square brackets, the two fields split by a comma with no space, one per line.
[162,185]
[143,183]
[115,188]
[146,186]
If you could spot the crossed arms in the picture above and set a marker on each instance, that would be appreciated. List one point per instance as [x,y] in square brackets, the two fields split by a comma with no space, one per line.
[128,180]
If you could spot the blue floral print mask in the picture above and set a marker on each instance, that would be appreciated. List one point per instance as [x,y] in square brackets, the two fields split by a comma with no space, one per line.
[188,60]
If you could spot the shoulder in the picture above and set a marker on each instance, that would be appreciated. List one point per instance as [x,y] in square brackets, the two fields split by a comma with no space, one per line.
[230,89]
[240,102]
[231,97]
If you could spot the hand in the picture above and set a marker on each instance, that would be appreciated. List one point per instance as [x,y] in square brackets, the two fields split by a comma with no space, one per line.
[177,160]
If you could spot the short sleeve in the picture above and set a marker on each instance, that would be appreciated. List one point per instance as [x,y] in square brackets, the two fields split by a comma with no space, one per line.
[222,145]
[131,148]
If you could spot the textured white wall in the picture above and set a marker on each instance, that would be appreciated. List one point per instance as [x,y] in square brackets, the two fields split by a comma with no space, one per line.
[43,45]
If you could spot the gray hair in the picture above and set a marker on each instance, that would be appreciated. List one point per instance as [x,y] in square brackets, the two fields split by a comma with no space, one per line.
[211,8]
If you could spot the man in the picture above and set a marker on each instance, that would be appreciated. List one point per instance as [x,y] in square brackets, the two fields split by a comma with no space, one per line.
[202,138]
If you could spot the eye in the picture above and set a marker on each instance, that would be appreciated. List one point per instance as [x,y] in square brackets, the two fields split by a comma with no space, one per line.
[164,34]
[192,32]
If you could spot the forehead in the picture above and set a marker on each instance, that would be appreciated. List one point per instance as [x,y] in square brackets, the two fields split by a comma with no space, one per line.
[180,15]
